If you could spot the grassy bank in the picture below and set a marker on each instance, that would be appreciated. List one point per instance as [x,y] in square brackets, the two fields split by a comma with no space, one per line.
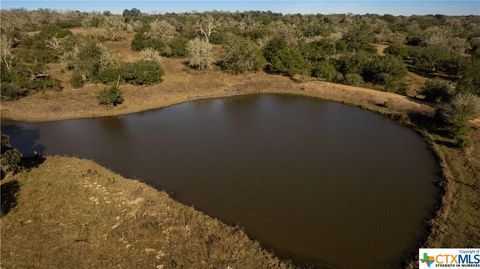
[458,222]
[71,213]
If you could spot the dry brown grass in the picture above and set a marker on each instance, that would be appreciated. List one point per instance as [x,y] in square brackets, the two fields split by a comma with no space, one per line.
[73,213]
[415,83]
[380,48]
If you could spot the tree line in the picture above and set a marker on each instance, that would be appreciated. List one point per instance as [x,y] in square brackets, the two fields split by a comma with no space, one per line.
[339,48]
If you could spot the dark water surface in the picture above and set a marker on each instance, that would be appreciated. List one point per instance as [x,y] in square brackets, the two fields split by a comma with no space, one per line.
[324,182]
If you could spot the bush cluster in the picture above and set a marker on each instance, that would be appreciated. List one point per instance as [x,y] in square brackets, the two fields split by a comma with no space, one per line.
[242,55]
[11,157]
[141,72]
[94,63]
[110,96]
[21,80]
[283,58]
[176,47]
[438,90]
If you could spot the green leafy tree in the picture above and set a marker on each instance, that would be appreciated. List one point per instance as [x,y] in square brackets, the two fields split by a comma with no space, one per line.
[475,47]
[143,72]
[398,50]
[387,70]
[11,157]
[110,96]
[353,79]
[283,58]
[327,71]
[131,14]
[242,55]
[438,58]
[470,78]
[318,50]
[438,90]
[464,107]
[354,63]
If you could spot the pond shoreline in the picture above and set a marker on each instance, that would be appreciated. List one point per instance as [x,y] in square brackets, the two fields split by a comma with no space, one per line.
[118,211]
[383,103]
[81,103]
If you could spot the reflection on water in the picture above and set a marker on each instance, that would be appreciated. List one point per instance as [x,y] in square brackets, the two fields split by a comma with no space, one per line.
[324,182]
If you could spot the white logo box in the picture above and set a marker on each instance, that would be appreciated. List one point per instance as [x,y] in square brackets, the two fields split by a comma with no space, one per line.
[449,258]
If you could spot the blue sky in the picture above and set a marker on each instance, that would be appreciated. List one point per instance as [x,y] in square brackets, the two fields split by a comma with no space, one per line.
[470,7]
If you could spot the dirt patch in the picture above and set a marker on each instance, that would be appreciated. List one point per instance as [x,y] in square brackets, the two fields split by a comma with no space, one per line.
[415,83]
[380,48]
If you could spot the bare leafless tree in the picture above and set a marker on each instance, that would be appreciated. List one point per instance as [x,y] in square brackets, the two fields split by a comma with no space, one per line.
[113,25]
[206,26]
[87,24]
[55,43]
[161,29]
[199,53]
[6,53]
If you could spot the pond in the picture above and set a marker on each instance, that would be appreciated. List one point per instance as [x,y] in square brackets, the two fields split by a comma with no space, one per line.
[325,183]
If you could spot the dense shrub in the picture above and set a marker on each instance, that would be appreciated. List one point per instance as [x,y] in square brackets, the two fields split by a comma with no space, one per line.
[22,67]
[475,47]
[34,49]
[283,58]
[353,79]
[436,58]
[415,40]
[327,71]
[11,91]
[427,59]
[398,50]
[110,96]
[464,107]
[88,63]
[173,47]
[359,38]
[387,70]
[11,157]
[221,37]
[76,80]
[177,47]
[354,63]
[470,78]
[94,63]
[143,72]
[438,90]
[142,41]
[21,80]
[111,75]
[37,57]
[242,55]
[318,50]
